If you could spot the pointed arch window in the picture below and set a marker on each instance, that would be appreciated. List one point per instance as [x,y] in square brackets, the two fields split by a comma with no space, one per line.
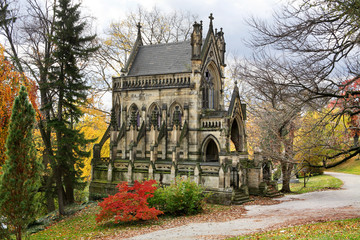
[208,96]
[175,115]
[155,118]
[134,116]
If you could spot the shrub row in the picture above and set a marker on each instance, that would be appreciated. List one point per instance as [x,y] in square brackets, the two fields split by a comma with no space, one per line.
[147,200]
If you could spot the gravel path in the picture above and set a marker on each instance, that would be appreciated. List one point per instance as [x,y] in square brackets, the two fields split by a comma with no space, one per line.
[293,210]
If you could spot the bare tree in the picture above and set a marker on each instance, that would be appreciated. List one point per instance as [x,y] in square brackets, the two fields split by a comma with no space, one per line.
[275,111]
[304,56]
[9,11]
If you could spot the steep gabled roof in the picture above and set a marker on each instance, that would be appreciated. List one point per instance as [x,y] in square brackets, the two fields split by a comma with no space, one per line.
[162,59]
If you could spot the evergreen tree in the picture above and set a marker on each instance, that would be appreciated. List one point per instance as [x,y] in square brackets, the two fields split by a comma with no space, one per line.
[20,180]
[72,49]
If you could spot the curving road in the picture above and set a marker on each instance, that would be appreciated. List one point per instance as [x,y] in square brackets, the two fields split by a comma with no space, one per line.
[294,209]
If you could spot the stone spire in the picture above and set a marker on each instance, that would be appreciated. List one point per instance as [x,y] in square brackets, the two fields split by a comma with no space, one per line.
[139,38]
[220,42]
[196,41]
[138,43]
[211,21]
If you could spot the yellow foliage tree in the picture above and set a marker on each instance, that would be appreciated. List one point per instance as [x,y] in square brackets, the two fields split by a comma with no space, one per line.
[93,125]
[320,137]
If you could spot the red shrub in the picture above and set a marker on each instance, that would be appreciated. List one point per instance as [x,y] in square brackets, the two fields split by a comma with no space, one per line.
[129,204]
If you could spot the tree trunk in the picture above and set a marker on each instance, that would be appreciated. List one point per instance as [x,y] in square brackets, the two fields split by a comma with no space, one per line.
[18,233]
[59,189]
[286,173]
[69,189]
[50,204]
[287,165]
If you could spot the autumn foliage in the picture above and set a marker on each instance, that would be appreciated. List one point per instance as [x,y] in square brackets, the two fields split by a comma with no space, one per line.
[10,82]
[350,103]
[129,204]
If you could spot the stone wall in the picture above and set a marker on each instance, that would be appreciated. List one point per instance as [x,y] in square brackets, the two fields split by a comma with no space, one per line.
[106,175]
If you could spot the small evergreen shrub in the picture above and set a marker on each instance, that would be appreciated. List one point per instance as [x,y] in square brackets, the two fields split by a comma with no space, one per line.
[179,198]
[129,204]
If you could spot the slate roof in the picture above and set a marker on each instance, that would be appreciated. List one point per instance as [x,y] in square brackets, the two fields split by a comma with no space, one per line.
[162,59]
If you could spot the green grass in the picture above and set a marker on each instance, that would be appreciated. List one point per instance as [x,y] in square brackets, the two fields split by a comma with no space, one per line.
[352,166]
[343,229]
[82,225]
[315,183]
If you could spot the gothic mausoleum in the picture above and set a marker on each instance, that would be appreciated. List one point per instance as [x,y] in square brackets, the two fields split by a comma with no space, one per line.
[169,120]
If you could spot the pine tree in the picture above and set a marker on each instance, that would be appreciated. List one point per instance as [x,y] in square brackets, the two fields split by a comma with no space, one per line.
[20,180]
[72,49]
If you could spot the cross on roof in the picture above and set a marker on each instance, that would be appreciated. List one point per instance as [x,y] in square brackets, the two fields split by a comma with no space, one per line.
[211,17]
[138,26]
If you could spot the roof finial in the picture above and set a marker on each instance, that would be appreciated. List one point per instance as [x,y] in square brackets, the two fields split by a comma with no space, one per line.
[138,27]
[139,39]
[235,82]
[211,19]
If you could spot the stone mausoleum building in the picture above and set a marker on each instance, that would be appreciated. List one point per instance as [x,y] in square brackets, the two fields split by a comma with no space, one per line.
[169,119]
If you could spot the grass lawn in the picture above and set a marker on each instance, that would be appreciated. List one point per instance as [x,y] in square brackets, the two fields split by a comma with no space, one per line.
[343,229]
[351,166]
[82,225]
[315,183]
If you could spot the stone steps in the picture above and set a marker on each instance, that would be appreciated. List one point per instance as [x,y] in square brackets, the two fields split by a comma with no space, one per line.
[272,192]
[240,198]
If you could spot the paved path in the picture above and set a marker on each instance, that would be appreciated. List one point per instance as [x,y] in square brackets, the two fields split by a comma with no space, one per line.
[295,209]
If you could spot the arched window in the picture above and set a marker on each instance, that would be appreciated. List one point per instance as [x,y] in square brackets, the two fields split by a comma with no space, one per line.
[175,114]
[210,89]
[155,116]
[134,116]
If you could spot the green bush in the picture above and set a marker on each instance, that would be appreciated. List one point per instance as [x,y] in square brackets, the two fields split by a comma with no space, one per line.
[179,198]
[277,174]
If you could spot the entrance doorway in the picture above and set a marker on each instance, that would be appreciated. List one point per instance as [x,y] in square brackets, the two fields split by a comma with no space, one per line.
[212,152]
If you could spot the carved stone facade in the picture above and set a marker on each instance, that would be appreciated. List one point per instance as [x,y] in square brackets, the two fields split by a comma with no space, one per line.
[169,119]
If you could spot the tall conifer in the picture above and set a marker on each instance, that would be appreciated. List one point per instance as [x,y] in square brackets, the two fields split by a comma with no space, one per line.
[20,180]
[72,48]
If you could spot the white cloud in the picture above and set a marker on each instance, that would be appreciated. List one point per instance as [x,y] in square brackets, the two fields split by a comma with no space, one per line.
[229,14]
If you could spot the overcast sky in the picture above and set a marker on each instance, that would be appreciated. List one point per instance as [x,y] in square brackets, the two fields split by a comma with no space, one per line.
[228,14]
